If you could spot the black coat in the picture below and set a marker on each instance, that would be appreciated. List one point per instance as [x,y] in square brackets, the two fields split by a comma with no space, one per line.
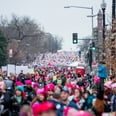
[16,106]
[6,102]
[30,93]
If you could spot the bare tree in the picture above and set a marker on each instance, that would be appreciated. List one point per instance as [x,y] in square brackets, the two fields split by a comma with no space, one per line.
[31,36]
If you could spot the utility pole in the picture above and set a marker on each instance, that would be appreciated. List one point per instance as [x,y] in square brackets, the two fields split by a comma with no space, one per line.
[103,6]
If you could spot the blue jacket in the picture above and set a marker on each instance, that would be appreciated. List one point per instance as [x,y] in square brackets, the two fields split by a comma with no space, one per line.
[102,73]
[59,107]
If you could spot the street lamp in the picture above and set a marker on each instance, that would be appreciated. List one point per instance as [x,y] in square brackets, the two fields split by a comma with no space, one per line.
[90,8]
[92,16]
[103,6]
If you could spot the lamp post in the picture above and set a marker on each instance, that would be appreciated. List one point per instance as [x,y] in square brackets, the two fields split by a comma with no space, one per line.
[103,6]
[89,8]
[92,16]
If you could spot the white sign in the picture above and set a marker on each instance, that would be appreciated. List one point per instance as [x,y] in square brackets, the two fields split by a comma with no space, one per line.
[4,68]
[10,69]
[23,69]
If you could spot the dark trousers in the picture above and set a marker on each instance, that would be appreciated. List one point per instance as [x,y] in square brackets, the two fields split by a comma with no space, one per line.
[102,83]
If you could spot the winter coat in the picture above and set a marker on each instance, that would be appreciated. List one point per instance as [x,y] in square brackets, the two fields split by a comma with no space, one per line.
[102,73]
[16,105]
[88,103]
[113,105]
[99,106]
[30,94]
[5,103]
[71,104]
[59,107]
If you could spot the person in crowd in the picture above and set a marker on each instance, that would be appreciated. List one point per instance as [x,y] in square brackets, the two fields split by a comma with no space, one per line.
[102,73]
[57,91]
[63,79]
[5,101]
[88,101]
[35,86]
[59,81]
[41,82]
[72,112]
[17,100]
[65,100]
[4,75]
[44,109]
[57,101]
[29,90]
[107,96]
[40,96]
[10,83]
[98,107]
[113,98]
[25,110]
[21,78]
[78,98]
[113,78]
[50,90]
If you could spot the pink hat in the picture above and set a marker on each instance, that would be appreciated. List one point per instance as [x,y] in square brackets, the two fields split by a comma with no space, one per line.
[40,91]
[43,107]
[50,87]
[108,84]
[37,77]
[69,86]
[96,79]
[82,113]
[18,83]
[28,82]
[113,85]
[35,85]
[73,82]
[47,78]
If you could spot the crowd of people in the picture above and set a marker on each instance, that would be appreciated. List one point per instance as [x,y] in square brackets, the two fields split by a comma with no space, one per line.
[61,58]
[56,91]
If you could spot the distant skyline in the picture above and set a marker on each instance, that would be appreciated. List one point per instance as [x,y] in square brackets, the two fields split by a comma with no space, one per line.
[55,19]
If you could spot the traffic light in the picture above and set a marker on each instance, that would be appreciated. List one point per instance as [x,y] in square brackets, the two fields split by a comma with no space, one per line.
[93,46]
[75,38]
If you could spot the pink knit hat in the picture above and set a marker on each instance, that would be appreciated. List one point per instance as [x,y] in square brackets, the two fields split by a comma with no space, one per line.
[43,107]
[50,87]
[40,91]
[28,82]
[73,82]
[108,84]
[82,113]
[18,83]
[69,111]
[37,77]
[35,85]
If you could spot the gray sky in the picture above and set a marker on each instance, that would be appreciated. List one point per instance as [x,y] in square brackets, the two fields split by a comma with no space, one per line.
[54,18]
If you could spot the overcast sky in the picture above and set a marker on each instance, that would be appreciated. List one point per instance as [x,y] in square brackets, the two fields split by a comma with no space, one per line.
[54,18]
